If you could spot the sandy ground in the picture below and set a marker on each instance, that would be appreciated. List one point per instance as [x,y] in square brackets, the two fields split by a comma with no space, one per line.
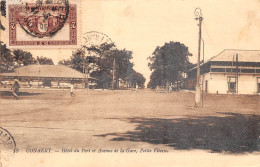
[227,128]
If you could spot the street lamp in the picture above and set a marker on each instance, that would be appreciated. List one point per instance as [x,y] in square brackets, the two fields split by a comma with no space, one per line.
[198,16]
[202,97]
[203,50]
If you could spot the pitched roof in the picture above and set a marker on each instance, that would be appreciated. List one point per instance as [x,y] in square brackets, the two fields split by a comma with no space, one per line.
[230,55]
[243,55]
[58,71]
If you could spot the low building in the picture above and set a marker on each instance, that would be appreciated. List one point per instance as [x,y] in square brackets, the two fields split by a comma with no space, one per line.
[231,71]
[52,76]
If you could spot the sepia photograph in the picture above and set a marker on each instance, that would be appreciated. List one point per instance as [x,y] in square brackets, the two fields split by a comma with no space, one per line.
[145,83]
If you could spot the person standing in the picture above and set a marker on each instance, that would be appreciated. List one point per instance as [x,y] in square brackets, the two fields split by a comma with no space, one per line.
[157,89]
[136,87]
[15,89]
[72,90]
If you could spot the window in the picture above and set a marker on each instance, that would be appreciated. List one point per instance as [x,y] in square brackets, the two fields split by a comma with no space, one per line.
[217,69]
[248,70]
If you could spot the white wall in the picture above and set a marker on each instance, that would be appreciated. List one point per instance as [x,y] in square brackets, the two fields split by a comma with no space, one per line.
[247,84]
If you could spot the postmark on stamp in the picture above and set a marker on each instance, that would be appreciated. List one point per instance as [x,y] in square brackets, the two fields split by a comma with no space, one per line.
[93,38]
[7,147]
[44,23]
[43,20]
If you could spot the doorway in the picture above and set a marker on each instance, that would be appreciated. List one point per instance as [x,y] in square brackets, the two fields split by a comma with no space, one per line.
[232,87]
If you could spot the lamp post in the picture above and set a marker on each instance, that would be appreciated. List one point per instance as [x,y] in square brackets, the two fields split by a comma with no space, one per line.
[202,92]
[198,16]
[203,50]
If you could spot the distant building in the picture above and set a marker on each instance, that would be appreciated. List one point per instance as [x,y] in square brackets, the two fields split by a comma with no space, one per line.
[53,76]
[227,73]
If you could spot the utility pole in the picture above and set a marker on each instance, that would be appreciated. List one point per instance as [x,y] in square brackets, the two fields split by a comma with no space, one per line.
[199,17]
[87,77]
[85,71]
[237,73]
[84,82]
[202,92]
[113,79]
[203,49]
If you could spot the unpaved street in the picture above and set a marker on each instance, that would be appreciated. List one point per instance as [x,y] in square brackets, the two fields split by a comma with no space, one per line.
[142,120]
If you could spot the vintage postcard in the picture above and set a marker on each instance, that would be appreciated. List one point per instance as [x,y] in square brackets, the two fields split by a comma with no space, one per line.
[158,83]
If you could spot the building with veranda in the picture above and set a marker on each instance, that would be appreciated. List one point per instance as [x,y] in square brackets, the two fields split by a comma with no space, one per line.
[231,71]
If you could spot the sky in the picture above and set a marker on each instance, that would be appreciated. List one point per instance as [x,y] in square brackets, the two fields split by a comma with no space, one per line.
[142,25]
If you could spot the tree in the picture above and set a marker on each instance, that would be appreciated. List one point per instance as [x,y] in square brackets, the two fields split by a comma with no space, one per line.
[65,62]
[98,61]
[23,58]
[136,78]
[6,58]
[10,60]
[44,60]
[77,61]
[167,63]
[3,12]
[99,50]
[103,78]
[155,79]
[123,66]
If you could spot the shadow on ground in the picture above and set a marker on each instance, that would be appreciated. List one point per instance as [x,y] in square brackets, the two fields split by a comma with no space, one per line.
[230,132]
[9,93]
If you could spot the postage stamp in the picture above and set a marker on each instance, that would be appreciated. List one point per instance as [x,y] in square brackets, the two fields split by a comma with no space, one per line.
[7,147]
[43,23]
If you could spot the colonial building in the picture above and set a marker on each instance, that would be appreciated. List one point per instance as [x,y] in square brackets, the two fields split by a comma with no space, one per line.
[231,71]
[53,76]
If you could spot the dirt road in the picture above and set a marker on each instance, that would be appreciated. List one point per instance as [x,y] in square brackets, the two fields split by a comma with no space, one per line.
[142,120]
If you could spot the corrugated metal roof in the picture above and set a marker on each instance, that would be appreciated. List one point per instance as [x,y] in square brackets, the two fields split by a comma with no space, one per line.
[243,55]
[59,71]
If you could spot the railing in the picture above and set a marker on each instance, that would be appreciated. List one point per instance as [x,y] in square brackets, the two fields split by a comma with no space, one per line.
[233,69]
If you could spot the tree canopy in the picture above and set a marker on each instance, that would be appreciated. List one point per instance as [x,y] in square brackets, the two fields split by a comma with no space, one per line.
[98,61]
[23,57]
[3,12]
[167,63]
[9,60]
[136,78]
[45,60]
[6,58]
